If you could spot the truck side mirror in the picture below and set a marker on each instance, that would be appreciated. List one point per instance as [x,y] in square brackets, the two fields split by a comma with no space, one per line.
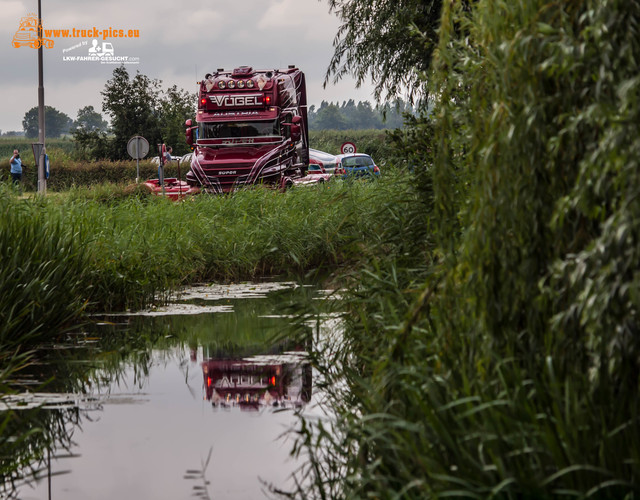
[295,132]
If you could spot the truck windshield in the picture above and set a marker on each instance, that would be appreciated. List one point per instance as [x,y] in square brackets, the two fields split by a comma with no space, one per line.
[223,130]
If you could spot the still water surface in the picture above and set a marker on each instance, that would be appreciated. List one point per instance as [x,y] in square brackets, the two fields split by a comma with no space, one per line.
[191,400]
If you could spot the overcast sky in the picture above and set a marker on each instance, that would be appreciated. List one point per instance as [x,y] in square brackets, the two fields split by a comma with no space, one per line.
[178,43]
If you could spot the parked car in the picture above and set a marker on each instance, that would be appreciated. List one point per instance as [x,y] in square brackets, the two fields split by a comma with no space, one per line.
[356,165]
[325,160]
[316,174]
[173,188]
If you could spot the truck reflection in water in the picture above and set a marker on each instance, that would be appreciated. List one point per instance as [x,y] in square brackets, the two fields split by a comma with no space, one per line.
[281,380]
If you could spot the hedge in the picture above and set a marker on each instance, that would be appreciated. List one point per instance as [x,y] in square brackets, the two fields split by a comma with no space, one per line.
[65,171]
[65,176]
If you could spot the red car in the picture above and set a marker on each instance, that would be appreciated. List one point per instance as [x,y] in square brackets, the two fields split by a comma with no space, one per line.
[316,174]
[325,160]
[173,188]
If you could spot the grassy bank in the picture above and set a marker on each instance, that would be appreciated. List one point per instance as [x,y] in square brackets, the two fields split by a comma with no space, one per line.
[106,248]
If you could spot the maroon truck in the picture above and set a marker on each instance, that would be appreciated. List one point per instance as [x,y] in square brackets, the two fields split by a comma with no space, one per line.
[251,128]
[252,384]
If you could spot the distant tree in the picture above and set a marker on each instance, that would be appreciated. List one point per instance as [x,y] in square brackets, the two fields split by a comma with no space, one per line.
[359,116]
[311,116]
[365,117]
[139,106]
[176,106]
[394,114]
[90,120]
[330,117]
[132,105]
[56,123]
[92,144]
[348,110]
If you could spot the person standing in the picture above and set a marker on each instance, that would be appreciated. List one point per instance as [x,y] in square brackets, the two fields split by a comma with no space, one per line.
[16,167]
[167,155]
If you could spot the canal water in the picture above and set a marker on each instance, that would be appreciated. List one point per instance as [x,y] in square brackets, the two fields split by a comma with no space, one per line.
[193,400]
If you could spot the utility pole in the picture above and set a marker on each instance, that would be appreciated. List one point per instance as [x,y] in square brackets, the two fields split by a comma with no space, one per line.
[42,181]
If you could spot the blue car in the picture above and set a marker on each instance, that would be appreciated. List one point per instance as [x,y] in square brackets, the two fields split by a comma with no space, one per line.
[356,165]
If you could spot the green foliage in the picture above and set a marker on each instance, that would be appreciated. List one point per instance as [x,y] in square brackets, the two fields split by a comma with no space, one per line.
[329,118]
[89,120]
[376,143]
[43,260]
[176,107]
[92,144]
[8,144]
[132,105]
[56,122]
[389,43]
[66,173]
[361,116]
[139,106]
[110,248]
[491,345]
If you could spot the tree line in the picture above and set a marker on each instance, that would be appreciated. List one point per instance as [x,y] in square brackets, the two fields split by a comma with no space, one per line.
[363,115]
[138,105]
[58,123]
[135,105]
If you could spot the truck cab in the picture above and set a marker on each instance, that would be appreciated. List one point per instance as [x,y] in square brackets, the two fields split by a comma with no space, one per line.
[250,128]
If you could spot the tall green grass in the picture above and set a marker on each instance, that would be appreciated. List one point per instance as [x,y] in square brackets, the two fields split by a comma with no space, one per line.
[43,261]
[110,248]
[500,357]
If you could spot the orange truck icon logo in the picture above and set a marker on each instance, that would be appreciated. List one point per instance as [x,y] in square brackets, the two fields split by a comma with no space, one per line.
[29,34]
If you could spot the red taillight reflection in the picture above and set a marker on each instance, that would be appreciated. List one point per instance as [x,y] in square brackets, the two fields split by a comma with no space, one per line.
[272,381]
[203,101]
[267,99]
[375,168]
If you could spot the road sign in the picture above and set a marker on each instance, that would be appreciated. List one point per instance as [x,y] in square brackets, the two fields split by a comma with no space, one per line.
[137,147]
[348,148]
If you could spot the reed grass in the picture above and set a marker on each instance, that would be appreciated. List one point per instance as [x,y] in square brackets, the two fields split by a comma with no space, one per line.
[112,248]
[500,356]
